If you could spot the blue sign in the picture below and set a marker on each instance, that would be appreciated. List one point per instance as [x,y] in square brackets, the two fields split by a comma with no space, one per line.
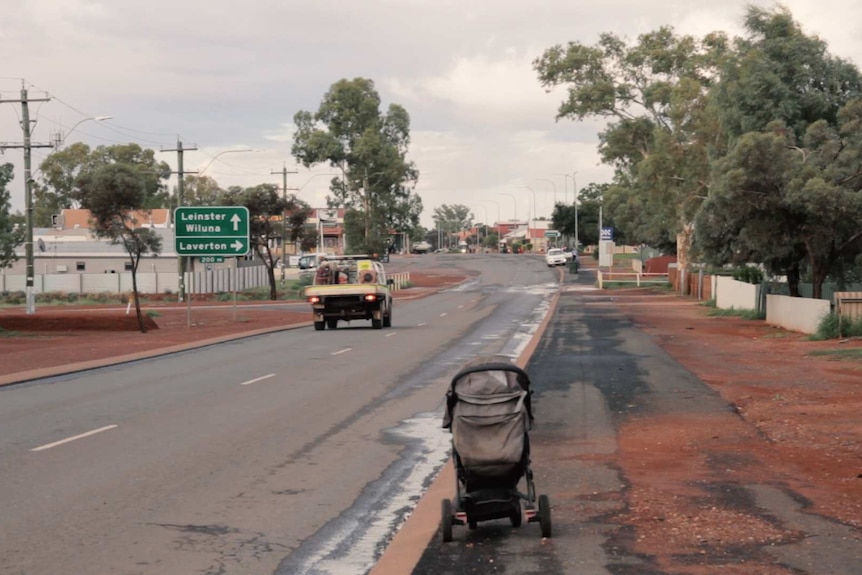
[607,234]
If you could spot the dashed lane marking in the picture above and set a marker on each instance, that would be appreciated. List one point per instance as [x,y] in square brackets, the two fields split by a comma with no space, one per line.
[255,380]
[73,438]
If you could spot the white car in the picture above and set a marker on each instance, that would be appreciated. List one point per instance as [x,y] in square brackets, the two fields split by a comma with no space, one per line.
[555,257]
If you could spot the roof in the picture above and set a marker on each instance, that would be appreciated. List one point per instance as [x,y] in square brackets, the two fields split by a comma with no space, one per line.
[81,219]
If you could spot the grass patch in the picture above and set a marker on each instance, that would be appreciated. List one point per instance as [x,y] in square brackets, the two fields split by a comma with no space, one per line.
[828,328]
[849,353]
[627,284]
[733,312]
[711,303]
[153,313]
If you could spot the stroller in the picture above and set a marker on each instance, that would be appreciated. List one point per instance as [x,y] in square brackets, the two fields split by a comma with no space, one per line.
[489,414]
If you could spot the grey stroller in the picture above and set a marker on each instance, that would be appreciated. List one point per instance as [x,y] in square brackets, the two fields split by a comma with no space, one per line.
[489,413]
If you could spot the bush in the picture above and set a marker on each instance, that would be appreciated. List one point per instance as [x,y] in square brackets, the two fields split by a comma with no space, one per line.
[748,274]
[828,327]
[733,312]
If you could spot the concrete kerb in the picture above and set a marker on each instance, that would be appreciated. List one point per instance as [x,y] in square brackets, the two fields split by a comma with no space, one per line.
[25,376]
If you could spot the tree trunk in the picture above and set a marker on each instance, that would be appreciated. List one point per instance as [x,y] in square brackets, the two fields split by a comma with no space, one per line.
[818,277]
[793,277]
[137,299]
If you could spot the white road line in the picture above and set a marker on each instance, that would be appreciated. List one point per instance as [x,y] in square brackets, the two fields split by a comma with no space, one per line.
[443,314]
[390,334]
[339,352]
[68,439]
[255,380]
[460,307]
[421,324]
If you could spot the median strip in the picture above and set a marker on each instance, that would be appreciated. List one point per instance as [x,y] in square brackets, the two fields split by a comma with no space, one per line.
[68,439]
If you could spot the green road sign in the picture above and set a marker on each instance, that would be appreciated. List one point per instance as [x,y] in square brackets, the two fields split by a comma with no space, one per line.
[552,234]
[211,259]
[211,231]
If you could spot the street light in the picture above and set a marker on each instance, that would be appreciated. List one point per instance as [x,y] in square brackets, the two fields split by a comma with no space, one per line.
[499,219]
[214,158]
[478,234]
[565,187]
[575,201]
[60,139]
[514,200]
[553,184]
[534,203]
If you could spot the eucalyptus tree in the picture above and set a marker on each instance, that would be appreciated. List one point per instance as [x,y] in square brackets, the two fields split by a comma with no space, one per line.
[369,149]
[116,195]
[11,236]
[654,96]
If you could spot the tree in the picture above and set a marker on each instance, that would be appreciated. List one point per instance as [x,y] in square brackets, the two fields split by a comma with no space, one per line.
[266,207]
[59,188]
[114,193]
[349,132]
[788,190]
[11,235]
[655,96]
[200,191]
[453,218]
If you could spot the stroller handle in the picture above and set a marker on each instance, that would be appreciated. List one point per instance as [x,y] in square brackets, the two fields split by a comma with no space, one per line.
[498,366]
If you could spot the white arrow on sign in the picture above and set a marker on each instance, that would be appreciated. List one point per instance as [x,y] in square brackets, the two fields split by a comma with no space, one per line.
[237,245]
[235,220]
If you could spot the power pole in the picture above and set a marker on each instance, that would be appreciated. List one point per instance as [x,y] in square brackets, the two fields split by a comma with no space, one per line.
[181,261]
[284,173]
[28,188]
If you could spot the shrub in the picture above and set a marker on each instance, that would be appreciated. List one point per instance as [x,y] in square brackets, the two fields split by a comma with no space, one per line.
[748,274]
[828,327]
[153,313]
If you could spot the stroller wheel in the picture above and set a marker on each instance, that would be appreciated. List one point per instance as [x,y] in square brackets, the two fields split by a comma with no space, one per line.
[446,512]
[516,517]
[545,515]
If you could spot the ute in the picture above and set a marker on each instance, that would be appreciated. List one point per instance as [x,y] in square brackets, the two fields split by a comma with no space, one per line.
[350,288]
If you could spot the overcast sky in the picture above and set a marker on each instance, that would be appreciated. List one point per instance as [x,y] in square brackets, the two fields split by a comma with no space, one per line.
[226,75]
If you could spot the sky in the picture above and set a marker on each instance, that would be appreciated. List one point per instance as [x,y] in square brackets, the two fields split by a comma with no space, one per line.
[223,76]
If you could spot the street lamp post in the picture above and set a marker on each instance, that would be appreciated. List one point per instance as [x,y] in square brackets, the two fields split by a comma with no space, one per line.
[214,158]
[478,234]
[575,201]
[514,201]
[534,203]
[60,139]
[554,186]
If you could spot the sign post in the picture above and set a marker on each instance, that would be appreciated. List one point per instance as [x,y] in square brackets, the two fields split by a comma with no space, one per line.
[212,232]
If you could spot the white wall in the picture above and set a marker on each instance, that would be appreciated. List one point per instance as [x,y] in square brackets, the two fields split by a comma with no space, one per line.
[796,313]
[735,294]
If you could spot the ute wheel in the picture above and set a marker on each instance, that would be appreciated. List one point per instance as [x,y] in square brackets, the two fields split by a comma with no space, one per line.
[387,319]
[446,527]
[545,515]
[376,323]
[319,325]
[332,323]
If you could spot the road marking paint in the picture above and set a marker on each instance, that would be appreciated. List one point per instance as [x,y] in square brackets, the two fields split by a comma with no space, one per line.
[443,314]
[255,380]
[68,439]
[421,324]
[339,352]
[391,334]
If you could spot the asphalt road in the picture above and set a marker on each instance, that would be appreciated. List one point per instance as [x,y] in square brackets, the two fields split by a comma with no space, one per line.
[293,452]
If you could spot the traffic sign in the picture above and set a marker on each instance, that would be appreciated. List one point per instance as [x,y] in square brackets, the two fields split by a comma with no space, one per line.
[211,231]
[607,234]
[212,259]
[552,234]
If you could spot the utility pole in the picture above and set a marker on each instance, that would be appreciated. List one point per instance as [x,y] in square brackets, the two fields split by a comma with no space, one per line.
[284,173]
[181,261]
[28,188]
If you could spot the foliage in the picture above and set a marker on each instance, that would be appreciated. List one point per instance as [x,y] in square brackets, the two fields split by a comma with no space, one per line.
[114,193]
[200,191]
[369,148]
[733,312]
[590,200]
[11,235]
[266,208]
[748,274]
[654,94]
[828,327]
[61,172]
[491,241]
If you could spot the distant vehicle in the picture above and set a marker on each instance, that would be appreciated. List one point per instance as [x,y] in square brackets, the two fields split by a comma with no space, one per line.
[463,247]
[421,248]
[311,261]
[348,288]
[555,257]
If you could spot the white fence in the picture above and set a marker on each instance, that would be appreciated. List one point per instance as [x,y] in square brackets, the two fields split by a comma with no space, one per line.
[732,294]
[208,281]
[635,278]
[796,313]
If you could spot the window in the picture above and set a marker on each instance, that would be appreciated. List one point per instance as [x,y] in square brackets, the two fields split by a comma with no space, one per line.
[128,266]
[80,266]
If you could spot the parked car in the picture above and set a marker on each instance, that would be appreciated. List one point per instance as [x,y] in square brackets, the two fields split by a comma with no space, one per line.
[555,257]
